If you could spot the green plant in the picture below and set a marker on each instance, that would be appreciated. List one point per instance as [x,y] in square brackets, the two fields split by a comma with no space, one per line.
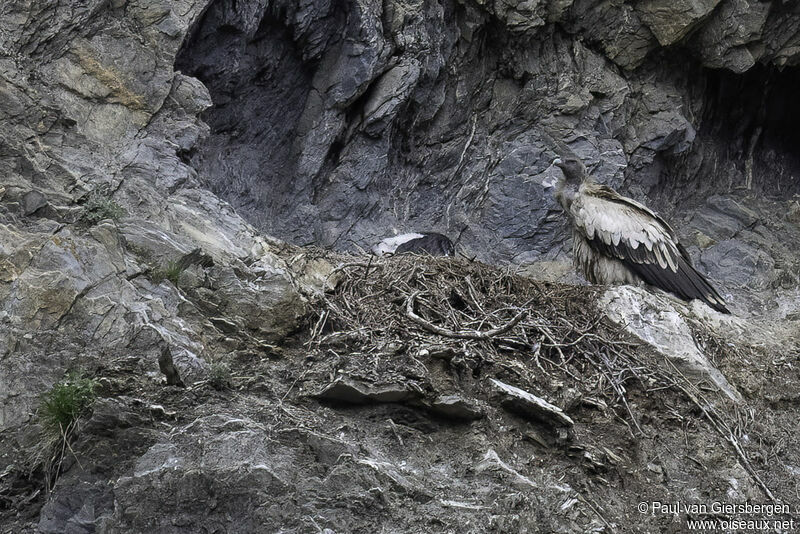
[59,412]
[219,376]
[171,271]
[99,207]
[65,401]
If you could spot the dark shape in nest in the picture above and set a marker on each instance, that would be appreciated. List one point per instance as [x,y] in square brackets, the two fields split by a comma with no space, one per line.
[453,298]
[556,332]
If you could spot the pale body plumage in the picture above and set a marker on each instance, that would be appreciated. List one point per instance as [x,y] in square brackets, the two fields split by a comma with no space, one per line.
[618,240]
[613,222]
[390,244]
[420,243]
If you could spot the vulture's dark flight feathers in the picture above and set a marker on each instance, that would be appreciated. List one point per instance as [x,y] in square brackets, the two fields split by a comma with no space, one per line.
[618,240]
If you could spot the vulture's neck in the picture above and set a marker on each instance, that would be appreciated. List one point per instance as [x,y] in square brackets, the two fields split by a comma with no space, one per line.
[566,191]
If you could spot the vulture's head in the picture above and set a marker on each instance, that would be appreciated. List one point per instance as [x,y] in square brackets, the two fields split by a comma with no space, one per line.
[573,169]
[574,173]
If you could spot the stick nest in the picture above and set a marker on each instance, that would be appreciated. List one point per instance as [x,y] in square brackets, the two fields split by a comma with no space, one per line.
[535,329]
[410,300]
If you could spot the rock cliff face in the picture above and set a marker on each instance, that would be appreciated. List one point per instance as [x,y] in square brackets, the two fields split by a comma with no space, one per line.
[156,156]
[339,123]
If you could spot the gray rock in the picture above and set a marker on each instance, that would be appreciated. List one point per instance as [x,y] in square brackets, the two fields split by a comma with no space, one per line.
[456,407]
[33,201]
[343,131]
[625,38]
[784,35]
[73,125]
[653,320]
[334,123]
[492,462]
[714,224]
[530,406]
[390,91]
[77,508]
[670,21]
[163,479]
[734,209]
[167,367]
[739,263]
[729,39]
[348,390]
[441,352]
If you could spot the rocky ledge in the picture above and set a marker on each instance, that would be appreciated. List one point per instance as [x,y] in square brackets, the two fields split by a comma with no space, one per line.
[240,383]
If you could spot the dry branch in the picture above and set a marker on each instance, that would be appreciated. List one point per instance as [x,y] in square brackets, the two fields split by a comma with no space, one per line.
[463,334]
[549,329]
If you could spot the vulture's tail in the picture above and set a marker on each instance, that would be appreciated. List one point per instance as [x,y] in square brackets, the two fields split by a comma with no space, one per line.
[687,283]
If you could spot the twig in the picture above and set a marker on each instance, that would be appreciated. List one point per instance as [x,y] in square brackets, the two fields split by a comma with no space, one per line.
[595,509]
[318,326]
[620,394]
[464,334]
[716,422]
[344,266]
[369,264]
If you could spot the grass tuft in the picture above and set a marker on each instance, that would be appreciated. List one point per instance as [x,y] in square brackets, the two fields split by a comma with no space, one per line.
[65,402]
[60,410]
[220,376]
[171,271]
[99,207]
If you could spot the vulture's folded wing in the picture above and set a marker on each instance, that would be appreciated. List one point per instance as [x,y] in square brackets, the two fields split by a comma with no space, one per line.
[621,228]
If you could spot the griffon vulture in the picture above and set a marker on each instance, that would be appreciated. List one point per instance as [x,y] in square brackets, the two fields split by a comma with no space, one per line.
[425,243]
[618,240]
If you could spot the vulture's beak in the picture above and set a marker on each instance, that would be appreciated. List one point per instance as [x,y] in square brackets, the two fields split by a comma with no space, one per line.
[552,180]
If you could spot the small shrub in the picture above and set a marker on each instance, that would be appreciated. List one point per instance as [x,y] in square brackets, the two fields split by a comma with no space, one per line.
[99,207]
[142,253]
[64,403]
[219,376]
[171,271]
[59,411]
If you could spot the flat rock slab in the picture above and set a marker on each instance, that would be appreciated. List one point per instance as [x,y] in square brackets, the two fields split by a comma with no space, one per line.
[530,406]
[349,390]
[456,407]
[653,320]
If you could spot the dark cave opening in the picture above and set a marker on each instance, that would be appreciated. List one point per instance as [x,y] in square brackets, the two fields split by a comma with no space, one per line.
[747,134]
[291,149]
[259,80]
[759,123]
